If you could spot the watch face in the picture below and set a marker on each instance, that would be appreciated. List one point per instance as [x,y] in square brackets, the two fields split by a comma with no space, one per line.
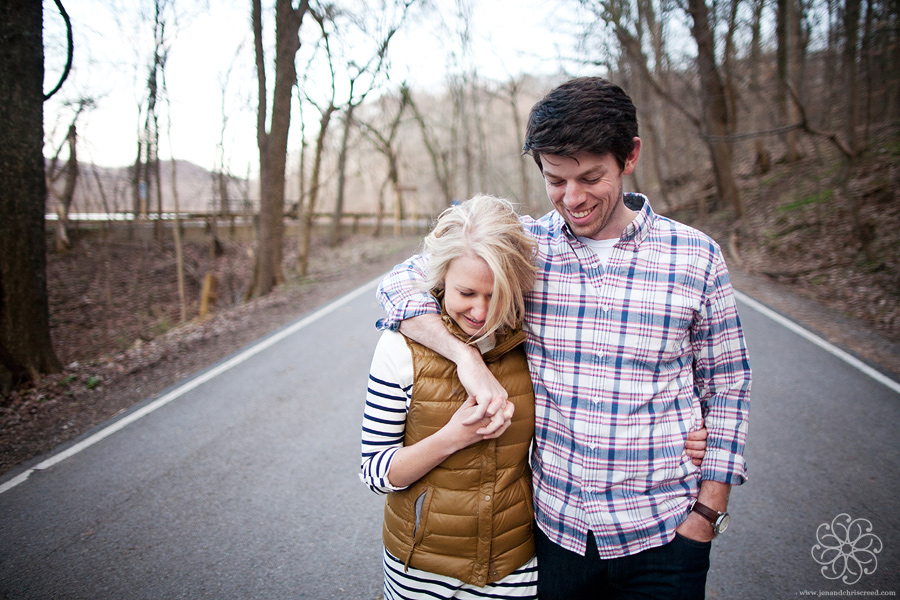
[722,523]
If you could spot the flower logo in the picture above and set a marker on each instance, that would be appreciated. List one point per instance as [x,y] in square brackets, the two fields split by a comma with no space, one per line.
[846,548]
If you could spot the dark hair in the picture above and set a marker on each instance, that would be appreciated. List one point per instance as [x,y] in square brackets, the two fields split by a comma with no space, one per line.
[588,114]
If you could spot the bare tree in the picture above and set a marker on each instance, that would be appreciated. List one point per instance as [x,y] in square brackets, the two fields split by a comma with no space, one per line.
[440,161]
[176,224]
[850,70]
[64,198]
[366,74]
[272,142]
[146,175]
[758,110]
[26,349]
[512,91]
[788,56]
[386,144]
[719,116]
[648,83]
[326,111]
[221,173]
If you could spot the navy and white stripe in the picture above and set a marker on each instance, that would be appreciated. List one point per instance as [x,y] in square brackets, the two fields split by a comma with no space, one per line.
[414,584]
[387,402]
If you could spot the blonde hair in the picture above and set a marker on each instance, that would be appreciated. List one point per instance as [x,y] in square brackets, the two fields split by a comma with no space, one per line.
[489,228]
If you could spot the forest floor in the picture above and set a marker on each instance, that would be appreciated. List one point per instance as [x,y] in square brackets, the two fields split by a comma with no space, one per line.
[115,314]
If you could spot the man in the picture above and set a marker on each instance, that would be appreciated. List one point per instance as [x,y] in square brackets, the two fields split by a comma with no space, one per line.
[633,340]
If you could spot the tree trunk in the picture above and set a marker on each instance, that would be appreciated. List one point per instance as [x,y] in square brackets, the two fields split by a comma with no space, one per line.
[398,200]
[515,87]
[136,183]
[179,246]
[715,106]
[786,65]
[758,112]
[273,143]
[439,162]
[26,350]
[379,209]
[851,85]
[64,199]
[306,220]
[335,232]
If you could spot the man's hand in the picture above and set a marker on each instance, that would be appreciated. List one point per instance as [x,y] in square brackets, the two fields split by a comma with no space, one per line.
[714,495]
[489,395]
[696,528]
[459,433]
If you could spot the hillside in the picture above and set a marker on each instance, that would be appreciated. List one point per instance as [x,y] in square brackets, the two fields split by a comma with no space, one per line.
[109,189]
[798,230]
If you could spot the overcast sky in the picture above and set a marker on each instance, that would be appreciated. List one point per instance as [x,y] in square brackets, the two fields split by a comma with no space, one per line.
[111,39]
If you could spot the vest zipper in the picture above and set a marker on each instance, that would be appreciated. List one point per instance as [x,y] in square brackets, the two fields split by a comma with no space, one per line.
[419,530]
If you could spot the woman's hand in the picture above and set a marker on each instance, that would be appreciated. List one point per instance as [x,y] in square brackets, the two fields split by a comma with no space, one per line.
[458,433]
[410,463]
[695,446]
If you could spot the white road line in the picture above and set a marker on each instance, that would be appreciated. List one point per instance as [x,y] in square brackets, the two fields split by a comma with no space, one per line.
[188,386]
[828,347]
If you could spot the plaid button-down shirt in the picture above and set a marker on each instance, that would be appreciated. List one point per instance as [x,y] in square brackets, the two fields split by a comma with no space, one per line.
[625,360]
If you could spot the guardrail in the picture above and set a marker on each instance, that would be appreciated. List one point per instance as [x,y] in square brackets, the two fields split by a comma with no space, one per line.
[229,226]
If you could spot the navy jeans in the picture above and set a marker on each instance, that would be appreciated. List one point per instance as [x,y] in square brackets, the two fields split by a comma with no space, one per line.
[676,571]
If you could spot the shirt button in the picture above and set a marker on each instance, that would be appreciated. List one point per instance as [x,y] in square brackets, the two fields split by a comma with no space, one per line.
[487,498]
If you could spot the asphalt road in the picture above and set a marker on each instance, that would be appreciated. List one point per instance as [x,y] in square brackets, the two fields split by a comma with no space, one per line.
[245,485]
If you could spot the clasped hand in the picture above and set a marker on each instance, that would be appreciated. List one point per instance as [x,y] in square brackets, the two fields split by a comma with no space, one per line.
[491,406]
[466,427]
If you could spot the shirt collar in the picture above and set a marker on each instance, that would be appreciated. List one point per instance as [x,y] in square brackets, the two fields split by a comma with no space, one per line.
[640,227]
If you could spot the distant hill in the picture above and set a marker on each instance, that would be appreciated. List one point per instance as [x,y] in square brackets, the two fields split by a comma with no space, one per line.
[109,189]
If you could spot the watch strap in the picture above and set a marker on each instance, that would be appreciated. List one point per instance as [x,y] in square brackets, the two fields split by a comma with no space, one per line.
[706,512]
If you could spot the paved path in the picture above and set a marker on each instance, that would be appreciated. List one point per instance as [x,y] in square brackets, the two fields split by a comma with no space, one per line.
[823,441]
[245,486]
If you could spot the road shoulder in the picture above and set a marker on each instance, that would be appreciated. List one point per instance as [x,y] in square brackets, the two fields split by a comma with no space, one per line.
[851,335]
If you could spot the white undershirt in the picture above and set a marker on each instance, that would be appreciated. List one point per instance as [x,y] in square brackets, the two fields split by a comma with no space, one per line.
[602,248]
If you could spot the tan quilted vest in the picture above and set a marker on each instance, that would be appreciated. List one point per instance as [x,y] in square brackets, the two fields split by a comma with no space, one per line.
[471,516]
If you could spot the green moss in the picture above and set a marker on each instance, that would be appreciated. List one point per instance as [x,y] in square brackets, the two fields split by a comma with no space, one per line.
[817,198]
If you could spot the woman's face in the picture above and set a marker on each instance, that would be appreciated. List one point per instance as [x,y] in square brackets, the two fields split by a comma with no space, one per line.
[468,287]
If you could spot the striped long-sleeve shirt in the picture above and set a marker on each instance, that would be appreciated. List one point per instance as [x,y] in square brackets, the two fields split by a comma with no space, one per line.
[626,359]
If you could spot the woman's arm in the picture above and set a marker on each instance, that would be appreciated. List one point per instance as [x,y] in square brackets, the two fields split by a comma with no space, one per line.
[411,463]
[384,417]
[490,397]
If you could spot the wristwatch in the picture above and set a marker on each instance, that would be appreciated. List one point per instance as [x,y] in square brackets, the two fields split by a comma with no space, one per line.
[718,520]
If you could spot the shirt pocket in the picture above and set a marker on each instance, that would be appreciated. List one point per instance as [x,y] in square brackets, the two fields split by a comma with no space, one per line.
[664,320]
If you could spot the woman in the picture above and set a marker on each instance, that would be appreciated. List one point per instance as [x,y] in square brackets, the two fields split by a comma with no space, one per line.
[458,515]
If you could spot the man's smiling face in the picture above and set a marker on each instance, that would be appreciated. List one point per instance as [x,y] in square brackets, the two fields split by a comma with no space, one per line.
[586,189]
